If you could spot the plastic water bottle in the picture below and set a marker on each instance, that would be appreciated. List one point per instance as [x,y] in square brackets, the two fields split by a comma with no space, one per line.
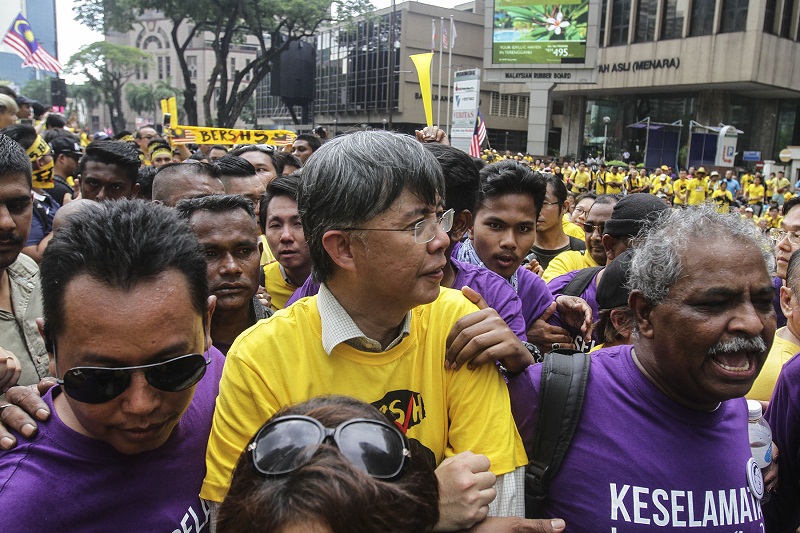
[760,439]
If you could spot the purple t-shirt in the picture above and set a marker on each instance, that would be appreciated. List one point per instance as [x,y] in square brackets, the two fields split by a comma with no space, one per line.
[557,286]
[640,462]
[535,296]
[783,510]
[497,292]
[776,302]
[64,481]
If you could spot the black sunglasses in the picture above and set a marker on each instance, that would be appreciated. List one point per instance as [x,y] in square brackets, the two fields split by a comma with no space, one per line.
[284,445]
[588,227]
[94,385]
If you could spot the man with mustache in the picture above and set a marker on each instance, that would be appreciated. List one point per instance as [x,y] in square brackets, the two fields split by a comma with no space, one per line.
[662,441]
[20,291]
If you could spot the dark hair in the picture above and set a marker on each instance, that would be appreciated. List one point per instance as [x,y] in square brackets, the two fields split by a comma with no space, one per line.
[791,204]
[584,195]
[461,178]
[216,203]
[322,132]
[218,147]
[606,331]
[792,274]
[13,159]
[198,156]
[233,166]
[117,153]
[281,159]
[145,181]
[273,154]
[329,489]
[8,91]
[511,177]
[121,244]
[50,135]
[54,120]
[313,142]
[161,182]
[607,199]
[24,134]
[353,178]
[559,189]
[280,186]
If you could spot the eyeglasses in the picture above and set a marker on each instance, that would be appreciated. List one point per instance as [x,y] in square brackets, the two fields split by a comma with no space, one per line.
[550,203]
[424,230]
[589,228]
[578,209]
[777,236]
[284,445]
[95,385]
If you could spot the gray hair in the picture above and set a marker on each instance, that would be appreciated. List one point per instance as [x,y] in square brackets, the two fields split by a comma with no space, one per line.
[657,250]
[355,177]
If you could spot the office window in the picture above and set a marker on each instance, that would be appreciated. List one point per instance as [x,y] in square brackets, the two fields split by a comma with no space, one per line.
[786,19]
[168,67]
[603,13]
[620,22]
[734,16]
[646,21]
[702,22]
[191,63]
[160,68]
[770,18]
[673,17]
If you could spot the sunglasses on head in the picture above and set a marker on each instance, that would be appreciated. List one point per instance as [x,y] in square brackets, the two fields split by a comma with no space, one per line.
[88,384]
[373,446]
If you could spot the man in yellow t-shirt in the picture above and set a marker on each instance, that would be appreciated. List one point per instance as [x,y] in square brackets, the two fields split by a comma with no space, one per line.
[698,187]
[581,179]
[595,253]
[378,329]
[615,181]
[600,178]
[680,188]
[281,226]
[787,338]
[723,198]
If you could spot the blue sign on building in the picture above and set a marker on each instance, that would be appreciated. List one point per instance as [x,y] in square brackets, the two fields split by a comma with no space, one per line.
[751,156]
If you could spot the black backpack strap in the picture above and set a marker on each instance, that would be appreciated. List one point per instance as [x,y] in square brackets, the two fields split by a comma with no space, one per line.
[582,279]
[562,390]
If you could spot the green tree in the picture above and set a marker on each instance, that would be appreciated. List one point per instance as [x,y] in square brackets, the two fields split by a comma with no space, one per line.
[83,96]
[273,24]
[146,97]
[107,67]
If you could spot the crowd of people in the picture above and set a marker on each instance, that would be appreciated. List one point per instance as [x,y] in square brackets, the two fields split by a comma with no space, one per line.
[349,336]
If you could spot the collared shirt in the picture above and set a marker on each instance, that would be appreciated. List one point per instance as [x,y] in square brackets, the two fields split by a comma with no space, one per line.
[18,331]
[338,327]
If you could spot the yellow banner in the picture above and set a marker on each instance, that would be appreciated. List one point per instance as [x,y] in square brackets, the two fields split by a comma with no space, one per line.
[423,64]
[200,135]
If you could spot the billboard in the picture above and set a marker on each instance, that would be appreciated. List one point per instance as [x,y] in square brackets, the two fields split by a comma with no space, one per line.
[528,32]
[539,41]
[467,91]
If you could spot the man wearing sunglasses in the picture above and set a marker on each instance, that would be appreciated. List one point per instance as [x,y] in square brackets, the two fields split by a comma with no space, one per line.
[370,205]
[126,323]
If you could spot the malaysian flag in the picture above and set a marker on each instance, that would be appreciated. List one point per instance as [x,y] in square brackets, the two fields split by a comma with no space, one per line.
[21,39]
[433,35]
[445,43]
[478,136]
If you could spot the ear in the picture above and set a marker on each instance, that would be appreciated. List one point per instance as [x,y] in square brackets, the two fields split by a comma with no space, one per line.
[608,245]
[338,245]
[787,301]
[461,224]
[641,313]
[260,247]
[134,191]
[211,302]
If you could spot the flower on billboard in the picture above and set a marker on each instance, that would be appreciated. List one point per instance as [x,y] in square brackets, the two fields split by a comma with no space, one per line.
[556,23]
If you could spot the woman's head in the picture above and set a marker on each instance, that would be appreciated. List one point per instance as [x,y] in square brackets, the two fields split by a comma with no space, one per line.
[327,491]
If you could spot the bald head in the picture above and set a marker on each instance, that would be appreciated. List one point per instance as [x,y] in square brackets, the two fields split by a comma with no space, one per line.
[178,181]
[71,208]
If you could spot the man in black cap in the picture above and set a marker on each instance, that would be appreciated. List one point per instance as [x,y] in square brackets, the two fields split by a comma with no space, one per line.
[628,216]
[66,154]
[615,319]
[25,108]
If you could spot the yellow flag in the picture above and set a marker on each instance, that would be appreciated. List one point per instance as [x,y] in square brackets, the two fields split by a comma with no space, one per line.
[423,64]
[201,135]
[164,108]
[172,104]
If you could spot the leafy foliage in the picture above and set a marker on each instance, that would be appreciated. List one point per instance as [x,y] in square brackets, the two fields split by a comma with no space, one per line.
[270,24]
[538,19]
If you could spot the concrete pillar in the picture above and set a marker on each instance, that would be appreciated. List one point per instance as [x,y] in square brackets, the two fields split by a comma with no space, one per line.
[713,107]
[539,118]
[572,126]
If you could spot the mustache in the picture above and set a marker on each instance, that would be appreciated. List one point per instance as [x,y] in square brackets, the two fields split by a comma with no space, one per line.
[739,344]
[13,238]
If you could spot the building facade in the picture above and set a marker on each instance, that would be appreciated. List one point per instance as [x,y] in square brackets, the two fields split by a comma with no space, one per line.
[687,65]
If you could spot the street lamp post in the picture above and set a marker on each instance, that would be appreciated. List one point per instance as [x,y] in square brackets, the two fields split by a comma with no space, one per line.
[506,141]
[606,120]
[384,124]
[335,124]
